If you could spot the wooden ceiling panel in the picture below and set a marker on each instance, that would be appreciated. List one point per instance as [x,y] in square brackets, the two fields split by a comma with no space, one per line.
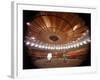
[58,25]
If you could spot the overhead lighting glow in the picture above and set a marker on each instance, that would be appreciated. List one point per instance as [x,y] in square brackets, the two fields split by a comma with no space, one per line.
[36,45]
[71,46]
[74,45]
[28,24]
[87,31]
[68,46]
[59,47]
[27,43]
[45,47]
[84,42]
[64,47]
[40,46]
[48,47]
[33,38]
[81,43]
[32,44]
[84,34]
[56,47]
[77,45]
[88,40]
[75,27]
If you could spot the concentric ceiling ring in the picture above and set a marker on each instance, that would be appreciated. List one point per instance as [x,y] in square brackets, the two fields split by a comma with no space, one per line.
[51,29]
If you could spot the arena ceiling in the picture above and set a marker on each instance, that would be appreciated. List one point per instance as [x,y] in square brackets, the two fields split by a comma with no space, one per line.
[56,31]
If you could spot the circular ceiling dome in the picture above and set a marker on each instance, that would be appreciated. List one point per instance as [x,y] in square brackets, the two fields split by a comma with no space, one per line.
[46,24]
[51,28]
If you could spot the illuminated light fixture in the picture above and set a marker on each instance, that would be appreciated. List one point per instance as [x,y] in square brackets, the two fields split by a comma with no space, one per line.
[50,47]
[32,44]
[28,24]
[64,47]
[33,38]
[75,27]
[59,47]
[74,45]
[46,46]
[40,46]
[56,47]
[87,31]
[68,47]
[84,34]
[53,48]
[81,43]
[77,44]
[88,40]
[36,45]
[71,46]
[84,42]
[27,43]
[78,39]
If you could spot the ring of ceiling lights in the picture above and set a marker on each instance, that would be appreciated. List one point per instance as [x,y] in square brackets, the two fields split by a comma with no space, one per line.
[66,33]
[57,47]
